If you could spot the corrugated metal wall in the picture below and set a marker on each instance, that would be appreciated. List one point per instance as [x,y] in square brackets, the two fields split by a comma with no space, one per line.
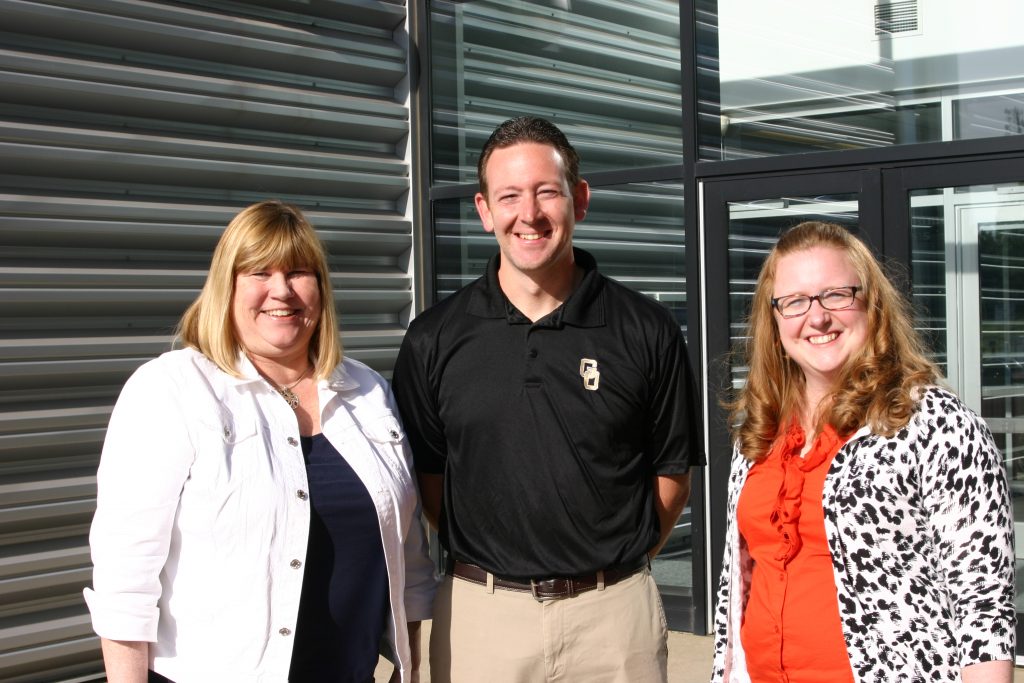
[130,133]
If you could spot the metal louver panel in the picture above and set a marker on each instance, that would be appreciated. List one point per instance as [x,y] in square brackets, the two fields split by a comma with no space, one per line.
[896,17]
[130,133]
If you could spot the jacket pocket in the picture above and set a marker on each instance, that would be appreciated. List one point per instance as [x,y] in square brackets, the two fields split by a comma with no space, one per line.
[386,429]
[228,452]
[386,436]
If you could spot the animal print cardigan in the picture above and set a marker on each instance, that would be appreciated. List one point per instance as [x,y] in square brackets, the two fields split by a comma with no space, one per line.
[921,536]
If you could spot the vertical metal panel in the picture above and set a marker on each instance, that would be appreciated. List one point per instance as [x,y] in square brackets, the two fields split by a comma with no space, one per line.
[130,133]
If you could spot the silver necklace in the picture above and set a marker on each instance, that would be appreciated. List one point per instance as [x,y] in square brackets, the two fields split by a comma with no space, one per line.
[286,392]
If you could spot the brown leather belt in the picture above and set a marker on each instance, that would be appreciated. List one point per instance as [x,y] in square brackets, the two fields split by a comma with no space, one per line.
[551,588]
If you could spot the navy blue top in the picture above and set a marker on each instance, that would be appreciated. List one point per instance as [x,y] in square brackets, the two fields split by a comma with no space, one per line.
[343,609]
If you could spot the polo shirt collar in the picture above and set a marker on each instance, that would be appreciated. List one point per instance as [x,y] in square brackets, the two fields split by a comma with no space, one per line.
[583,308]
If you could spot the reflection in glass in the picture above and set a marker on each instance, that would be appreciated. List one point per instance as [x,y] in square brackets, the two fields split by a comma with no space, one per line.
[985,117]
[805,75]
[808,132]
[607,73]
[968,261]
[928,273]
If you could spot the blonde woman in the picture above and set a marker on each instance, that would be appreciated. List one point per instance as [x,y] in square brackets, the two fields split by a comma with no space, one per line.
[256,516]
[870,535]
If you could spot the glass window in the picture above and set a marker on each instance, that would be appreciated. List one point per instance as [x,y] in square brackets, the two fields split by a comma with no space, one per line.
[461,247]
[636,233]
[928,272]
[985,117]
[807,76]
[607,73]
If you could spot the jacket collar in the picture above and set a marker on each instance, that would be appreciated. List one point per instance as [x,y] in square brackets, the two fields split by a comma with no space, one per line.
[248,371]
[339,381]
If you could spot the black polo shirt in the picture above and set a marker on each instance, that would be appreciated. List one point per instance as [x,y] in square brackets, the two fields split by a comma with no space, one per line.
[548,433]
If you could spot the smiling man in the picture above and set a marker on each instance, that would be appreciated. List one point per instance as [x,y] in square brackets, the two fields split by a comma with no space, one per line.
[553,421]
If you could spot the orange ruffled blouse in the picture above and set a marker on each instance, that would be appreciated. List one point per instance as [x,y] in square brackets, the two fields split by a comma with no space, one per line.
[791,629]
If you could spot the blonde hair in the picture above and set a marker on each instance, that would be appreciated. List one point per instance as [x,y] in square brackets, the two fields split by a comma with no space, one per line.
[267,234]
[875,386]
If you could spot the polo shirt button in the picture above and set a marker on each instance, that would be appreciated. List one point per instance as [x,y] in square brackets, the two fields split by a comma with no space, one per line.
[295,564]
[285,631]
[533,353]
[301,494]
[292,441]
[782,577]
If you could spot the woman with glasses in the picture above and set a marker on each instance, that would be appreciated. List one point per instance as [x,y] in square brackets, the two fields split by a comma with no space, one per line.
[870,535]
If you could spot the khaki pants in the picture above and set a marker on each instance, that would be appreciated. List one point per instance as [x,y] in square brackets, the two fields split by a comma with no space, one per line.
[614,635]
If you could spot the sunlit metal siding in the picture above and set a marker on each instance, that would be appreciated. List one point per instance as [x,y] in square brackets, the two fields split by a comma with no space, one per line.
[130,133]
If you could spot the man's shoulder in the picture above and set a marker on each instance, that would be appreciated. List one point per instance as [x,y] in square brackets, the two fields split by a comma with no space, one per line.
[634,306]
[442,313]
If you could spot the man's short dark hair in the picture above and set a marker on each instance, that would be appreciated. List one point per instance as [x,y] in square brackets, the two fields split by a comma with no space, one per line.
[529,129]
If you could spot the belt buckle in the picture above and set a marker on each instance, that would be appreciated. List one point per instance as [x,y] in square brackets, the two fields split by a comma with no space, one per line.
[534,583]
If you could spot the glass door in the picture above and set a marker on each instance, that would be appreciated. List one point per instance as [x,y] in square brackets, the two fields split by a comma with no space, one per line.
[742,221]
[967,251]
[952,233]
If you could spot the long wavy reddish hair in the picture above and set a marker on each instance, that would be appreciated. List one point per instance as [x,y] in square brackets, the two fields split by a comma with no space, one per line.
[876,385]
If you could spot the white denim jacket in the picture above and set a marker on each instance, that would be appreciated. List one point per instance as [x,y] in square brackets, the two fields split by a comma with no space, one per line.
[202,516]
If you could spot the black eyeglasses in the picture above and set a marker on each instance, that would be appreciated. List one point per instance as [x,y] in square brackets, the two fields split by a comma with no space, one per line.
[832,299]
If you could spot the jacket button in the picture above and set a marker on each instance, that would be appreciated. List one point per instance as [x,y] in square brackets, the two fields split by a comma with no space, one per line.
[295,564]
[301,494]
[227,432]
[292,441]
[285,631]
[394,434]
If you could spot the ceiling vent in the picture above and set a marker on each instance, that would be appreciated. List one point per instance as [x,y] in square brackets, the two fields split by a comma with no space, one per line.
[896,17]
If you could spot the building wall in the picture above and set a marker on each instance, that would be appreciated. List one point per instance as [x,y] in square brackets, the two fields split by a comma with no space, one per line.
[130,134]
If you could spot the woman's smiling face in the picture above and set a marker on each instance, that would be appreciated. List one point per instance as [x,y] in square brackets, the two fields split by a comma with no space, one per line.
[276,311]
[820,341]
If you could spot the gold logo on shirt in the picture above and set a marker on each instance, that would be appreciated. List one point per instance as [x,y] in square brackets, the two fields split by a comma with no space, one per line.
[590,374]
